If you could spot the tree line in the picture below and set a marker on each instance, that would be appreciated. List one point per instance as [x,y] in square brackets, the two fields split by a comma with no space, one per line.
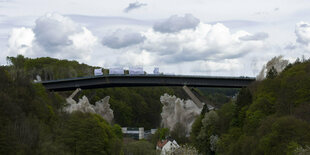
[268,117]
[32,121]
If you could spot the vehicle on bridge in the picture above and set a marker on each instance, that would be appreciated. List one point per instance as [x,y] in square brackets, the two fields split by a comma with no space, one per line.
[121,71]
[136,71]
[116,71]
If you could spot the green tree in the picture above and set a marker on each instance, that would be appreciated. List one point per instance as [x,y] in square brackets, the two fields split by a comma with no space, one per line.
[179,133]
[272,73]
[85,133]
[140,147]
[160,134]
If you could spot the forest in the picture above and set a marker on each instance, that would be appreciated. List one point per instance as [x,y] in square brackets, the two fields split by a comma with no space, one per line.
[33,120]
[268,117]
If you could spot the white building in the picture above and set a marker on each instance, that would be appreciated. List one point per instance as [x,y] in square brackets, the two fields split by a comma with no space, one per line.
[167,146]
[136,133]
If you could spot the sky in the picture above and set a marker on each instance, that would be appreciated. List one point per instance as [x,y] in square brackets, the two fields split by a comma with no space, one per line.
[197,37]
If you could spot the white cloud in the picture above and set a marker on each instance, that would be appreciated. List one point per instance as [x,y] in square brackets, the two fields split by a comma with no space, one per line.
[83,41]
[225,65]
[256,36]
[21,40]
[176,24]
[302,44]
[206,42]
[207,49]
[204,48]
[53,30]
[300,47]
[132,58]
[184,51]
[122,38]
[302,31]
[53,35]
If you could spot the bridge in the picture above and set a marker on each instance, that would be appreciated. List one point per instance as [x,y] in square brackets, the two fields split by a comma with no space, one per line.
[107,81]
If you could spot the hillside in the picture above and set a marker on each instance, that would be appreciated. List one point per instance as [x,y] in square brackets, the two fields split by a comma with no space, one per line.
[268,117]
[32,122]
[135,107]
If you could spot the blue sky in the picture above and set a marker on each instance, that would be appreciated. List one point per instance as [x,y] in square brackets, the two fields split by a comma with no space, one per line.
[205,37]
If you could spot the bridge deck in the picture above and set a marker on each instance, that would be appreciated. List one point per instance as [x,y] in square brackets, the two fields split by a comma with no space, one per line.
[146,80]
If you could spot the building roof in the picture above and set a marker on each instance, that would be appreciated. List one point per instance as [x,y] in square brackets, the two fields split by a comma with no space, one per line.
[162,143]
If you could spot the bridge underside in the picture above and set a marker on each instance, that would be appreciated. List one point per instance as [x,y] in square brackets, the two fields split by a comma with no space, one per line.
[145,81]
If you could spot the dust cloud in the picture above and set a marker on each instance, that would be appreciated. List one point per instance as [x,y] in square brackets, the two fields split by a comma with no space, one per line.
[278,63]
[101,107]
[176,110]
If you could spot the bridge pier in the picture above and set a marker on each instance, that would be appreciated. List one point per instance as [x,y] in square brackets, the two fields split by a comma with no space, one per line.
[193,97]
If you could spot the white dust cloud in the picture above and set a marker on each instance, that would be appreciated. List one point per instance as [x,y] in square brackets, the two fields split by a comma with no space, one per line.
[176,110]
[101,107]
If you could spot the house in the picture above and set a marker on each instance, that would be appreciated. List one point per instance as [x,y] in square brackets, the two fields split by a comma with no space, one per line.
[161,144]
[167,146]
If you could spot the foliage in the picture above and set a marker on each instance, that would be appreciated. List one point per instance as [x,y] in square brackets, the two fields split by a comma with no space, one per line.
[85,133]
[205,140]
[225,91]
[226,114]
[50,68]
[272,73]
[131,106]
[32,122]
[141,147]
[179,133]
[160,134]
[217,96]
[268,117]
[134,107]
[186,150]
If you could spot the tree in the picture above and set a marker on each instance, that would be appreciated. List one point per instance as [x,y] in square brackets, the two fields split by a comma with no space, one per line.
[285,131]
[85,133]
[140,147]
[179,133]
[272,73]
[160,134]
[244,99]
[207,134]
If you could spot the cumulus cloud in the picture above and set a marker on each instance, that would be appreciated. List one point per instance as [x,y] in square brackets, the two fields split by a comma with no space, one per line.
[302,44]
[205,42]
[225,65]
[53,30]
[200,45]
[53,35]
[302,31]
[209,49]
[133,6]
[254,37]
[122,38]
[21,40]
[176,23]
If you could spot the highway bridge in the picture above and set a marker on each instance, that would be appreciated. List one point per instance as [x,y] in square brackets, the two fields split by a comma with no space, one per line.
[107,81]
